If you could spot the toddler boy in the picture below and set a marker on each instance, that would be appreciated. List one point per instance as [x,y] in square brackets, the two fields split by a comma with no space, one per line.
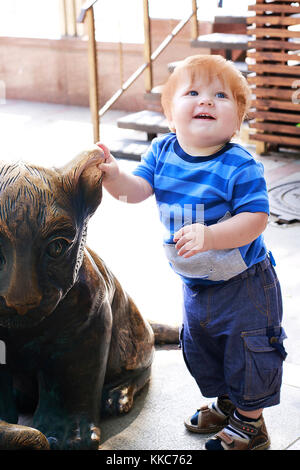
[213,203]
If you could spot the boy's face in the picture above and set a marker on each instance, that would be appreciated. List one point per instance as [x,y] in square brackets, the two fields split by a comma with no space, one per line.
[203,115]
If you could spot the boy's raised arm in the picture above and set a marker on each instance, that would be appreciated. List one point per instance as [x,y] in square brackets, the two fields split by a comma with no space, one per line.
[121,185]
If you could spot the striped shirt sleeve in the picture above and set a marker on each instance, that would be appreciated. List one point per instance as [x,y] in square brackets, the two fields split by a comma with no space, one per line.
[248,189]
[146,168]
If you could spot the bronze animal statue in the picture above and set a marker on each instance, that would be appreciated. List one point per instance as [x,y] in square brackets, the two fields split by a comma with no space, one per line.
[76,345]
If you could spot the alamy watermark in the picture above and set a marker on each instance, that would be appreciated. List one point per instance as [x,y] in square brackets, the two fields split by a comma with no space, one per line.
[175,216]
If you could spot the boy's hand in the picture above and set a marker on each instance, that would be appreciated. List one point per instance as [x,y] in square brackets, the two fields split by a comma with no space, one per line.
[193,239]
[121,185]
[110,168]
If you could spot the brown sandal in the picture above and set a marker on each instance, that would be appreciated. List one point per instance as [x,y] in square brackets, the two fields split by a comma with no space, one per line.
[256,430]
[208,419]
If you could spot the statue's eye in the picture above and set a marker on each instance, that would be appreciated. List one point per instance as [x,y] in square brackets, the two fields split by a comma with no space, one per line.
[57,247]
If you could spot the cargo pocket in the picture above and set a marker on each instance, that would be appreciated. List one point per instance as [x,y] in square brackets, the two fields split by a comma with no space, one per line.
[181,345]
[263,368]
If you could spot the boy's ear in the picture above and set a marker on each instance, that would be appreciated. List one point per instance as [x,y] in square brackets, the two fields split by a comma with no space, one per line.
[82,179]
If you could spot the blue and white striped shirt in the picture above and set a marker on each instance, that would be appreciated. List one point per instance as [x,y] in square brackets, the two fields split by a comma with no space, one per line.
[191,189]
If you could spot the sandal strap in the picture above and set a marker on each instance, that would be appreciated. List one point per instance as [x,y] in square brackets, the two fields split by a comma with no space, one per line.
[244,427]
[223,436]
[208,418]
[203,408]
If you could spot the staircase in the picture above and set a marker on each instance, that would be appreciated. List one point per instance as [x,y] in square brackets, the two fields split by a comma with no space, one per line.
[150,122]
[153,123]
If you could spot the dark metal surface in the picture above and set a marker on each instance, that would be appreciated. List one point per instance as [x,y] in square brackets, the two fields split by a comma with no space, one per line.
[285,201]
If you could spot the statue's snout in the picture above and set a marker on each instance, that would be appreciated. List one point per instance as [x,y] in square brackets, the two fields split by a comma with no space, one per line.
[21,308]
[23,293]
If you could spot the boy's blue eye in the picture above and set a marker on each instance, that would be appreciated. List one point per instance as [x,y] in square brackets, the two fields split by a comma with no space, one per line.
[193,93]
[221,94]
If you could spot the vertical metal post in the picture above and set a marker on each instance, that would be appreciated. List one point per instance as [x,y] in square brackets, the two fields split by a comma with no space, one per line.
[72,19]
[68,18]
[63,16]
[147,48]
[93,73]
[194,21]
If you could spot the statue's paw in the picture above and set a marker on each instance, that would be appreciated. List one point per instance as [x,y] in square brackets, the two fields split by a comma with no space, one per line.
[75,437]
[119,400]
[18,437]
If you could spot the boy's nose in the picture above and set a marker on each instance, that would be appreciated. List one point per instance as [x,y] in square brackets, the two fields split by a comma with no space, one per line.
[206,100]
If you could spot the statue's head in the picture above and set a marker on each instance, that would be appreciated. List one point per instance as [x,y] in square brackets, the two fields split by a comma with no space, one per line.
[43,220]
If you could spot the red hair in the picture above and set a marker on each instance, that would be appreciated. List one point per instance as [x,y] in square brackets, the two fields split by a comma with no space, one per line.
[211,66]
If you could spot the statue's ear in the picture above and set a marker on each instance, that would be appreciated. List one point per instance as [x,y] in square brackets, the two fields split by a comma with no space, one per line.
[82,179]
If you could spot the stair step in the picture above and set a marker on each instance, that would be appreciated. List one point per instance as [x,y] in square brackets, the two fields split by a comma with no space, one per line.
[241,66]
[154,94]
[129,149]
[151,122]
[222,41]
[230,19]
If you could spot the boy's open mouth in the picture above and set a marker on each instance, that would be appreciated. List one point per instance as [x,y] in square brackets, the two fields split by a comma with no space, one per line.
[204,116]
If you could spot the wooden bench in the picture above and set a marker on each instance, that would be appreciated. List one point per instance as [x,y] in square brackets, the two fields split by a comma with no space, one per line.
[230,19]
[222,41]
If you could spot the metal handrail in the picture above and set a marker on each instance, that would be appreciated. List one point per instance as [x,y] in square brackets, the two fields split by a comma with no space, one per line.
[143,67]
[84,8]
[87,15]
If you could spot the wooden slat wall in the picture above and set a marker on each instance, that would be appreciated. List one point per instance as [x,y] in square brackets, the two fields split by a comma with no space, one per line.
[274,61]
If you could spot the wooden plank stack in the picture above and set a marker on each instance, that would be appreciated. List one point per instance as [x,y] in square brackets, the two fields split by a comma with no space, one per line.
[273,58]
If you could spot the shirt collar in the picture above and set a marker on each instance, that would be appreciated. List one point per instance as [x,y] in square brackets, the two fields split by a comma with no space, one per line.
[194,159]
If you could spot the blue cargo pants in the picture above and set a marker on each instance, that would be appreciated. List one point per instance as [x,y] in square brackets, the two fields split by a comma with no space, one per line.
[232,339]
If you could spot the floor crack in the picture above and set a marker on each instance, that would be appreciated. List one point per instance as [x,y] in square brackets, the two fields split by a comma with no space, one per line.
[294,442]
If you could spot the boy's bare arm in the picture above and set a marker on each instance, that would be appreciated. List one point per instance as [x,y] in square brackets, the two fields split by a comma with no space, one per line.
[129,188]
[238,231]
[122,185]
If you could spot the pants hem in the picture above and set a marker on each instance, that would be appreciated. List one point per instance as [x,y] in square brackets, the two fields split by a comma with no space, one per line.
[250,405]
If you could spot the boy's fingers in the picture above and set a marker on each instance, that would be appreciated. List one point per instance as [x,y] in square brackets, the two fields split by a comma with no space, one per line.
[183,243]
[105,150]
[189,254]
[185,248]
[178,235]
[103,166]
[183,231]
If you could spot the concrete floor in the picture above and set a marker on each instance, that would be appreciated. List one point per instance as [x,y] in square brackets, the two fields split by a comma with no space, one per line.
[128,238]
